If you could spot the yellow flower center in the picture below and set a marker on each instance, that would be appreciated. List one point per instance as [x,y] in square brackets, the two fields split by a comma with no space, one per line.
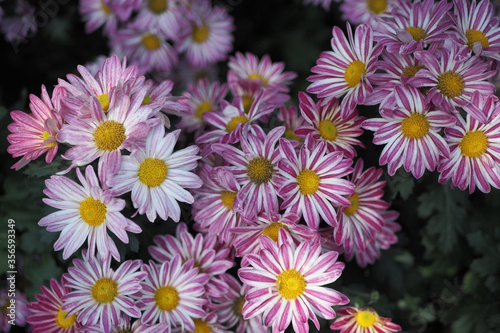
[93,212]
[377,7]
[272,231]
[354,72]
[105,8]
[410,71]
[109,135]
[45,136]
[291,284]
[474,35]
[105,290]
[158,6]
[366,318]
[200,34]
[260,170]
[291,136]
[308,182]
[353,208]
[238,305]
[151,42]
[104,100]
[255,76]
[167,298]
[201,326]
[415,126]
[227,198]
[416,33]
[474,144]
[231,125]
[203,107]
[64,322]
[327,130]
[146,100]
[153,172]
[451,84]
[247,102]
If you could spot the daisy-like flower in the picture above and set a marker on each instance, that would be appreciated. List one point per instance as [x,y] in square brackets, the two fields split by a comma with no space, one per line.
[359,222]
[213,207]
[33,135]
[453,78]
[347,69]
[206,35]
[416,25]
[124,326]
[312,182]
[475,149]
[366,11]
[410,133]
[209,323]
[107,13]
[100,294]
[255,167]
[12,308]
[362,320]
[46,314]
[477,27]
[286,284]
[292,120]
[21,25]
[105,134]
[173,293]
[324,123]
[162,14]
[158,176]
[86,212]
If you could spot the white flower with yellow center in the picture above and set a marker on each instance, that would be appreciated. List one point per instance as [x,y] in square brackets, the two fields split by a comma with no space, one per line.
[362,320]
[158,176]
[286,283]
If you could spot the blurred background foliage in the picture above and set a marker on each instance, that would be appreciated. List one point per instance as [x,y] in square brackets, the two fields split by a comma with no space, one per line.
[442,276]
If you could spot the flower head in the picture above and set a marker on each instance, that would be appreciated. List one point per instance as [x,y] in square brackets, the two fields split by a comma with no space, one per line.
[362,320]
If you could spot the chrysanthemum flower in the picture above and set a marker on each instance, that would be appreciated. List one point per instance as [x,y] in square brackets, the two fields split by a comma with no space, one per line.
[124,326]
[206,34]
[366,11]
[17,305]
[312,182]
[477,27]
[173,293]
[453,77]
[46,314]
[107,13]
[86,212]
[100,294]
[17,27]
[475,150]
[162,14]
[158,176]
[255,167]
[33,135]
[209,323]
[347,69]
[410,133]
[292,120]
[324,123]
[359,222]
[362,320]
[213,207]
[286,284]
[416,25]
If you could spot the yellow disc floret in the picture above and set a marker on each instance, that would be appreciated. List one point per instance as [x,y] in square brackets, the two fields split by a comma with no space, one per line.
[327,130]
[158,6]
[415,126]
[203,107]
[272,231]
[105,290]
[366,318]
[260,170]
[200,326]
[231,125]
[227,198]
[65,322]
[201,33]
[291,284]
[474,36]
[152,172]
[410,71]
[451,84]
[166,298]
[353,208]
[93,211]
[474,144]
[308,182]
[151,42]
[263,80]
[377,7]
[104,100]
[416,33]
[354,73]
[109,135]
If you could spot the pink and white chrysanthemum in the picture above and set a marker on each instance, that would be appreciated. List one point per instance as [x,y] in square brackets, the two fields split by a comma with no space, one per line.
[209,323]
[475,149]
[292,120]
[157,176]
[477,27]
[86,212]
[415,26]
[269,224]
[359,223]
[106,134]
[107,13]
[46,314]
[173,294]
[17,27]
[205,35]
[362,320]
[410,133]
[33,135]
[202,249]
[366,11]
[347,70]
[324,123]
[213,207]
[229,305]
[255,167]
[162,14]
[124,326]
[8,305]
[100,294]
[313,182]
[204,96]
[286,284]
[453,77]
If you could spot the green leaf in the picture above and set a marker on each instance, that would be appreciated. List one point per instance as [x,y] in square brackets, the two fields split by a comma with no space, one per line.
[39,271]
[401,183]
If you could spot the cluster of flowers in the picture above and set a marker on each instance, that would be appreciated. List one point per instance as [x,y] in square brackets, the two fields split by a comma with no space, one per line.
[155,34]
[18,22]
